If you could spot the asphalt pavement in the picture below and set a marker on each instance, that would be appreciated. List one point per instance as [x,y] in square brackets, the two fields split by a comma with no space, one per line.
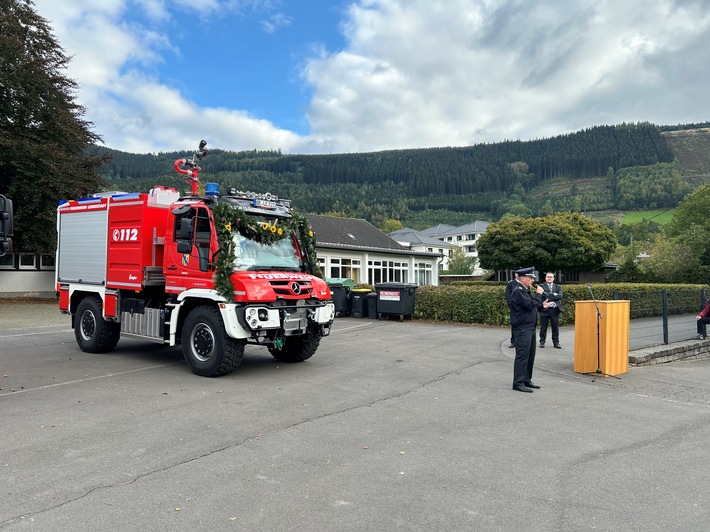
[390,426]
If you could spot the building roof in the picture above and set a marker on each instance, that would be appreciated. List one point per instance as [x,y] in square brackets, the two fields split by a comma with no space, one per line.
[474,227]
[436,230]
[354,233]
[414,237]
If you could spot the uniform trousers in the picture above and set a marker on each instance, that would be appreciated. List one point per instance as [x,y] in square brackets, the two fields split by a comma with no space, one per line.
[553,317]
[524,356]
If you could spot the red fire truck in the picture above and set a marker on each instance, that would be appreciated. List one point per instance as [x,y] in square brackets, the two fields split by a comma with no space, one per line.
[148,266]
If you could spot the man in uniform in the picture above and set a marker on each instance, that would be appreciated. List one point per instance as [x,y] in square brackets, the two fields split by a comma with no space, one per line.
[523,319]
[509,290]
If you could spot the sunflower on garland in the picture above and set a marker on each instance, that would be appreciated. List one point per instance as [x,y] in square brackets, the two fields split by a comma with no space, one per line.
[229,220]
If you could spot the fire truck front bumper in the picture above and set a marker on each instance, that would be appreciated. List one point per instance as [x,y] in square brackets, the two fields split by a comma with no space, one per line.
[257,317]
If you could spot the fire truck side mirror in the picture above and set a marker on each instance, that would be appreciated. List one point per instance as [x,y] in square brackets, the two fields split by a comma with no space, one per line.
[187,228]
[184,236]
[6,217]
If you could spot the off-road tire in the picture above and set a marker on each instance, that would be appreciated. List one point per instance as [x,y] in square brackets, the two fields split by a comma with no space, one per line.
[298,348]
[205,345]
[92,332]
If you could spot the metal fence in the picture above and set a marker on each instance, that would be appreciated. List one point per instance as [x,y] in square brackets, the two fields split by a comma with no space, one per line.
[676,322]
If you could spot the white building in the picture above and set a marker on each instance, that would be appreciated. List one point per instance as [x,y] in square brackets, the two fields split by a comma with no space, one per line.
[416,241]
[355,249]
[464,237]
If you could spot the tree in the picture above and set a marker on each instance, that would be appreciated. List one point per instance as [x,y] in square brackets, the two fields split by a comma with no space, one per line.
[460,264]
[43,139]
[390,225]
[563,241]
[693,210]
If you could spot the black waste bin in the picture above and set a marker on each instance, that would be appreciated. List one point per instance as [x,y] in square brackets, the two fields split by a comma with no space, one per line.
[396,299]
[341,298]
[372,305]
[360,303]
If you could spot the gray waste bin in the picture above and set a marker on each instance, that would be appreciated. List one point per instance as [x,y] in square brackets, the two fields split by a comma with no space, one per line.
[395,299]
[360,302]
[372,305]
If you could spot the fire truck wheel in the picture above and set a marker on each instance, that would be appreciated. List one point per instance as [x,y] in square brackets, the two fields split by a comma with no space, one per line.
[93,333]
[207,349]
[298,348]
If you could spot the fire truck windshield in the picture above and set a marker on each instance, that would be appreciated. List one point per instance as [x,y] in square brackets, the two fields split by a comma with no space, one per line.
[251,255]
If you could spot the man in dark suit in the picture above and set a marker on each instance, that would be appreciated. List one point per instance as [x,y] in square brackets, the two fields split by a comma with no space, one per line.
[552,293]
[523,318]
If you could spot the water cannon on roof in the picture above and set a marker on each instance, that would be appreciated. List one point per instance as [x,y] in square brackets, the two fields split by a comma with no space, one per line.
[193,169]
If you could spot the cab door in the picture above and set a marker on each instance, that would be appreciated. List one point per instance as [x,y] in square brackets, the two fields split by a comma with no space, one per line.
[190,264]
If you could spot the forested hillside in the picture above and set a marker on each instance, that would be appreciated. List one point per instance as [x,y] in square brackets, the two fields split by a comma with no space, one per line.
[626,166]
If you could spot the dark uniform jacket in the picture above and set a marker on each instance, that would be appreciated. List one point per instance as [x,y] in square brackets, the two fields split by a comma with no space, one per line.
[523,308]
[512,284]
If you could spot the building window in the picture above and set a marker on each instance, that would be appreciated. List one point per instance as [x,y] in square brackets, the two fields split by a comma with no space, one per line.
[568,276]
[423,273]
[28,261]
[47,262]
[387,271]
[430,250]
[346,269]
[7,262]
[459,238]
[470,237]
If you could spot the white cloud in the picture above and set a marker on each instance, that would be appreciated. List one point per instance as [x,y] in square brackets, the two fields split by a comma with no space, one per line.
[276,21]
[420,73]
[413,73]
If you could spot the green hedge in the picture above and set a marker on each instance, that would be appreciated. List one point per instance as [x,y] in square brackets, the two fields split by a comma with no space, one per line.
[484,302]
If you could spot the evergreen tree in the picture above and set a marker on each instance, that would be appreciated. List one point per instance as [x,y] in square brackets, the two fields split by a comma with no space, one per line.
[460,264]
[43,139]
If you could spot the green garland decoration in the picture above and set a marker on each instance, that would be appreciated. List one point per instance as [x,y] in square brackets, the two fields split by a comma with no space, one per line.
[229,220]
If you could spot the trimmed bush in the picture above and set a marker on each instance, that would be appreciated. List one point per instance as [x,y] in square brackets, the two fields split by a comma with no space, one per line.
[484,302]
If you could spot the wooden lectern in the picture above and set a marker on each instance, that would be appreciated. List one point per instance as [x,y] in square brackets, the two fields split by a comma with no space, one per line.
[613,353]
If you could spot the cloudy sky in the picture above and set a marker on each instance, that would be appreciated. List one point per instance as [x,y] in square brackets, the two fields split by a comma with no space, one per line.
[318,76]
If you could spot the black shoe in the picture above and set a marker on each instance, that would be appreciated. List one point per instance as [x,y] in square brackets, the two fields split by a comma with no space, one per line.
[531,384]
[522,389]
[700,337]
[558,346]
[542,345]
[511,346]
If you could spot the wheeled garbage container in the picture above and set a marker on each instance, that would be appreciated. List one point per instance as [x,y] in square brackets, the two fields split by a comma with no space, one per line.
[360,302]
[395,299]
[341,292]
[372,305]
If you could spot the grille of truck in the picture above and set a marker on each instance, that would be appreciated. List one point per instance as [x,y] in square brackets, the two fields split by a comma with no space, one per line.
[291,287]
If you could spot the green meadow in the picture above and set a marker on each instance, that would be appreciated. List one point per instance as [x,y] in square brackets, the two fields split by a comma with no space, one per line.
[659,216]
